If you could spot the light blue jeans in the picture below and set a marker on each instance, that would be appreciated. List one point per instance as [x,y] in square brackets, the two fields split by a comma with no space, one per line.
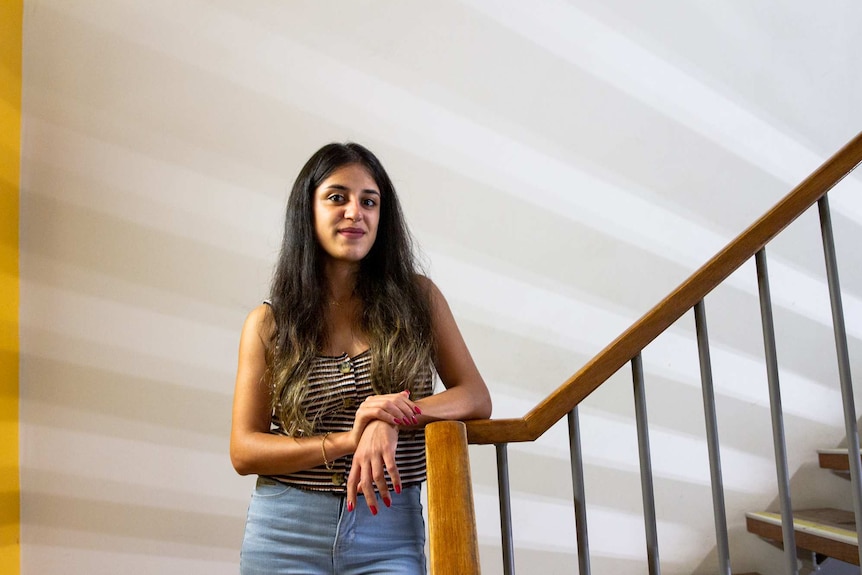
[298,532]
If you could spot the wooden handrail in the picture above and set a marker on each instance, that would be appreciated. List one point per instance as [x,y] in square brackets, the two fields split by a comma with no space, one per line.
[654,322]
[448,466]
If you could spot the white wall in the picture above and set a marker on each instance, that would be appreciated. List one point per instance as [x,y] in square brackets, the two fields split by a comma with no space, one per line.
[564,165]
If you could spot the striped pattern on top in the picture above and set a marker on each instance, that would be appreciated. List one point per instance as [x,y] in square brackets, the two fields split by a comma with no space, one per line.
[337,385]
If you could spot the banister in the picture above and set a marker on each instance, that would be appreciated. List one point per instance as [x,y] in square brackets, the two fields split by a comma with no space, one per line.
[608,361]
[453,543]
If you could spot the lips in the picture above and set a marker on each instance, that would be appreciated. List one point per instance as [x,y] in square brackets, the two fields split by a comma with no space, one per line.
[351,233]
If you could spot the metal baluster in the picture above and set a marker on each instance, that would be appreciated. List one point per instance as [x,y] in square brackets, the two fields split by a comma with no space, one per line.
[646,466]
[719,510]
[578,492]
[779,443]
[505,509]
[843,359]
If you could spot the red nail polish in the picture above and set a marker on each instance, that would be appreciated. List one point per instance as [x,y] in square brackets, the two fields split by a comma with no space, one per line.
[417,410]
[398,489]
[415,421]
[349,506]
[373,510]
[397,421]
[387,502]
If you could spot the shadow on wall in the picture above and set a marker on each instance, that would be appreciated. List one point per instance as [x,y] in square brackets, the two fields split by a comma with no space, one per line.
[66,521]
[138,256]
[78,397]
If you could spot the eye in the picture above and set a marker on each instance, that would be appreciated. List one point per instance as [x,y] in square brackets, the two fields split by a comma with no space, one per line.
[369,202]
[336,198]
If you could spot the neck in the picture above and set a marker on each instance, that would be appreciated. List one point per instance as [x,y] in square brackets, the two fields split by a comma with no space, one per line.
[340,279]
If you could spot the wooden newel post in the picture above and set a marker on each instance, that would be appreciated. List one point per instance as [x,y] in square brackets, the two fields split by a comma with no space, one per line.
[454,546]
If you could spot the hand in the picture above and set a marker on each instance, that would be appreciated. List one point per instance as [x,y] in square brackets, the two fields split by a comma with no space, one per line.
[394,408]
[374,454]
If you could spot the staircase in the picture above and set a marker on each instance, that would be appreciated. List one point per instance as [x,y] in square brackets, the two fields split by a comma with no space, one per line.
[835,459]
[824,532]
[453,540]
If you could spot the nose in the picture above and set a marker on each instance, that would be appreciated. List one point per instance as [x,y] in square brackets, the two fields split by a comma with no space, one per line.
[353,211]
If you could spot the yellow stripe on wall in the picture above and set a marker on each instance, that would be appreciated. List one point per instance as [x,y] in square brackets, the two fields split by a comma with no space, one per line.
[11,14]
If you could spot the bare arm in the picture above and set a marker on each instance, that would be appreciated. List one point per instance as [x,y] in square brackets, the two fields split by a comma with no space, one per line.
[253,449]
[466,395]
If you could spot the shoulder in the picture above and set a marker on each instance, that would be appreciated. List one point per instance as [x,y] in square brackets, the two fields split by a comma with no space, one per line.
[437,303]
[260,322]
[429,289]
[425,285]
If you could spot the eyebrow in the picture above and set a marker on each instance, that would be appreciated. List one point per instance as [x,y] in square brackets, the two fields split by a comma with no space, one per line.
[346,189]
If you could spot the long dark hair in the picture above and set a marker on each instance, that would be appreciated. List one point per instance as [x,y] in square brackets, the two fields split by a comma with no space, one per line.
[396,310]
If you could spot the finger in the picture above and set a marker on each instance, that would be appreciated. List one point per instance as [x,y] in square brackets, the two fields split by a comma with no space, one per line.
[380,481]
[352,480]
[366,484]
[408,418]
[408,410]
[398,411]
[392,469]
[412,409]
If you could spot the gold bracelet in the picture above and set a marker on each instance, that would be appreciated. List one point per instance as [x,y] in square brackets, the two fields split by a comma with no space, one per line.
[326,462]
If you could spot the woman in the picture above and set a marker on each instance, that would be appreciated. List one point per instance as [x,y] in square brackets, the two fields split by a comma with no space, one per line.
[333,384]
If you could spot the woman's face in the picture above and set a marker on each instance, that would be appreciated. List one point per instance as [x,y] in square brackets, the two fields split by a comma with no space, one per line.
[346,213]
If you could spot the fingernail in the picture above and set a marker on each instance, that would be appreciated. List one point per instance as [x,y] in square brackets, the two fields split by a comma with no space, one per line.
[397,421]
[417,410]
[398,489]
[415,421]
[387,502]
[349,507]
[373,510]
[407,391]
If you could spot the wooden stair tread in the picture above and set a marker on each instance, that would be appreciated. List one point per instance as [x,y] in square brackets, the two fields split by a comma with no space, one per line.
[837,459]
[830,532]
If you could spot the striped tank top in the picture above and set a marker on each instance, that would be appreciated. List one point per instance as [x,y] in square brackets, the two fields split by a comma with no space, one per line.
[336,387]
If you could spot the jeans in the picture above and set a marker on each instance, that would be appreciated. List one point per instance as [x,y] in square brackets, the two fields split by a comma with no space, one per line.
[298,532]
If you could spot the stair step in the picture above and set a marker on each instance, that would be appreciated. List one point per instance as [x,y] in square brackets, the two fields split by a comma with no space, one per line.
[837,459]
[829,532]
